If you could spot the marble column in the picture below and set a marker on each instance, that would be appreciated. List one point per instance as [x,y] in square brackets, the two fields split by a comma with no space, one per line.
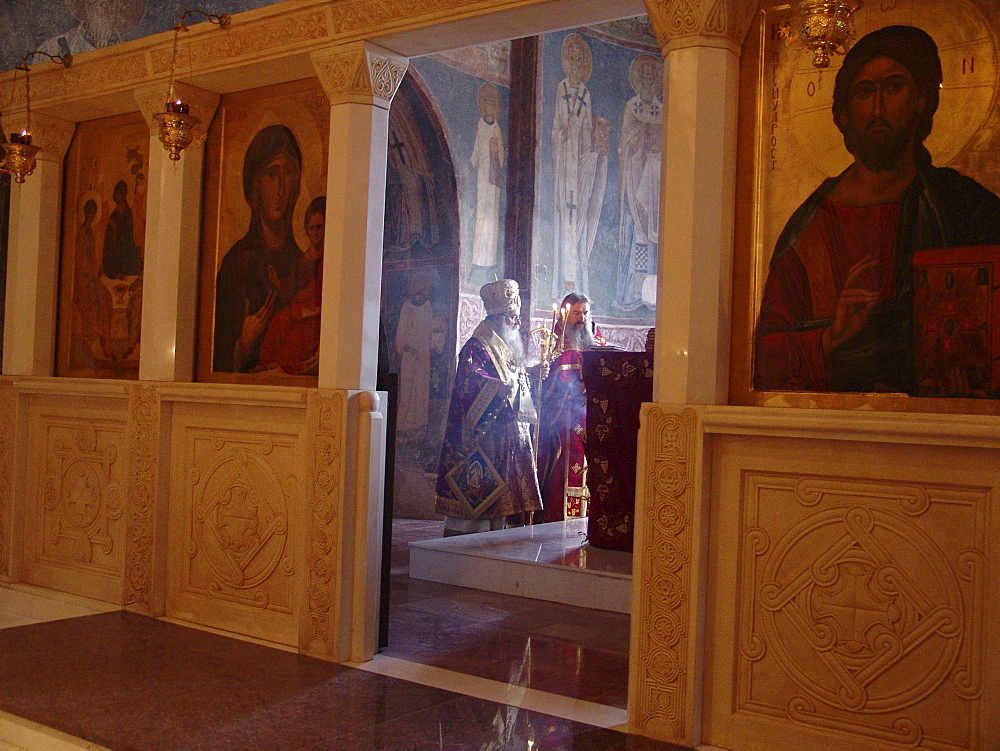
[33,250]
[360,80]
[173,213]
[701,45]
[701,48]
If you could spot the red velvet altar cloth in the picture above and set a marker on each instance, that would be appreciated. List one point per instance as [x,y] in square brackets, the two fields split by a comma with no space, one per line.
[617,384]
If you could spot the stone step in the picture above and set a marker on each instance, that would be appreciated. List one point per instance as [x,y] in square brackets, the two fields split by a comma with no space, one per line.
[549,562]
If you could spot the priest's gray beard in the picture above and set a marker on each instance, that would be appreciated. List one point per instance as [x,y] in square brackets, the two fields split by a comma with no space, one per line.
[512,338]
[579,338]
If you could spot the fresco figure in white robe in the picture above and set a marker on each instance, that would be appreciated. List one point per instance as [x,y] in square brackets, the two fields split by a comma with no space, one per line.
[639,161]
[488,159]
[579,168]
[414,344]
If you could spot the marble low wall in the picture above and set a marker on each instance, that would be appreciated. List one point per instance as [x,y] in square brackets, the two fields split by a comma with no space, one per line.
[252,510]
[815,579]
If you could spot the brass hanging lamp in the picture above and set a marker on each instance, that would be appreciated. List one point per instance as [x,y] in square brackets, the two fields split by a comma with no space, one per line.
[825,28]
[18,155]
[176,121]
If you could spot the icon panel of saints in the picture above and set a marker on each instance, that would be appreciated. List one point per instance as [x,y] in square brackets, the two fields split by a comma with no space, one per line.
[103,249]
[837,312]
[263,263]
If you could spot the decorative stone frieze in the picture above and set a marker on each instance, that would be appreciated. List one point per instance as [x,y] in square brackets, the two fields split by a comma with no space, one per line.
[352,17]
[700,23]
[661,696]
[327,420]
[257,40]
[261,36]
[361,73]
[85,77]
[143,448]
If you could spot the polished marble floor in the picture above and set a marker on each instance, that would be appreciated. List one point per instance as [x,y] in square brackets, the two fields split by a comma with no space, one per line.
[573,652]
[463,669]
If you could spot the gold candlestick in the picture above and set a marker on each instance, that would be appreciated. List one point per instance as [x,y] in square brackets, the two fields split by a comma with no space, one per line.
[562,332]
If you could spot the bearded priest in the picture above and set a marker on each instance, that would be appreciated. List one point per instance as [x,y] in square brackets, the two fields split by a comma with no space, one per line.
[562,466]
[487,468]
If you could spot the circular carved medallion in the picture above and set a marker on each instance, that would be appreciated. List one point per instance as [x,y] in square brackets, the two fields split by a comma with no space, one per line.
[241,520]
[81,498]
[861,609]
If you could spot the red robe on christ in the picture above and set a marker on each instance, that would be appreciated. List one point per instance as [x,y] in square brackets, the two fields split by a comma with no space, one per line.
[800,297]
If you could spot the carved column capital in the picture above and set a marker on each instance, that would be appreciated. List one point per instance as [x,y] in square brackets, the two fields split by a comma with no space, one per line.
[700,23]
[360,72]
[51,134]
[203,103]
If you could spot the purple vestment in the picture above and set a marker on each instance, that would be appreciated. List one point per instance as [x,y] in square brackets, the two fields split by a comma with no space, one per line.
[487,467]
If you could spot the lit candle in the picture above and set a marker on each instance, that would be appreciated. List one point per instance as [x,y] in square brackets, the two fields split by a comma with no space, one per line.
[182,109]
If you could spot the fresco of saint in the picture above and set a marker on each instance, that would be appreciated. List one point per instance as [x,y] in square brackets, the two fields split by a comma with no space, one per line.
[639,161]
[102,22]
[579,168]
[488,159]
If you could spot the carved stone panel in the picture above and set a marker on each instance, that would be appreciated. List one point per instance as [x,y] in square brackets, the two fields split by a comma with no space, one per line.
[51,134]
[75,496]
[860,602]
[359,72]
[235,496]
[683,23]
[202,103]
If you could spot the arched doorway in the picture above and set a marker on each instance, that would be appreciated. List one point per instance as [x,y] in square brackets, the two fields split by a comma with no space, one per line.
[419,305]
[400,240]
